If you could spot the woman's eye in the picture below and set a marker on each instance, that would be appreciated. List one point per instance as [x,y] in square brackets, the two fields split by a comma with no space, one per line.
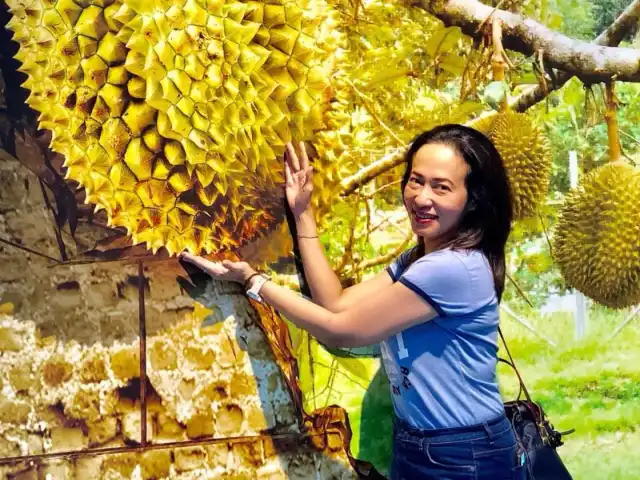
[443,188]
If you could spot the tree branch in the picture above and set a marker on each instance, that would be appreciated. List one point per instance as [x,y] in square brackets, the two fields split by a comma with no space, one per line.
[371,171]
[372,262]
[525,100]
[611,37]
[585,60]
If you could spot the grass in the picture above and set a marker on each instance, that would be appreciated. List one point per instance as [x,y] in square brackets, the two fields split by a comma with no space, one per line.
[591,384]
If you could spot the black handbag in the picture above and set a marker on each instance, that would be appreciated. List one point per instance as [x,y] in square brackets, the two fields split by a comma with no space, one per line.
[536,437]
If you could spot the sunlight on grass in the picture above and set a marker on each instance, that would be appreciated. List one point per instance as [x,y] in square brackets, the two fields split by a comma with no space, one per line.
[591,384]
[606,457]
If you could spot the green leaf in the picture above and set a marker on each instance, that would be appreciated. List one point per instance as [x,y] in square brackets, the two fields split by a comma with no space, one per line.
[556,20]
[573,93]
[453,63]
[442,40]
[494,93]
[385,75]
[528,78]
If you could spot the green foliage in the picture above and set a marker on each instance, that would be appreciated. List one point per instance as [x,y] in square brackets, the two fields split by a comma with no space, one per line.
[348,225]
[574,18]
[606,11]
[589,384]
[576,122]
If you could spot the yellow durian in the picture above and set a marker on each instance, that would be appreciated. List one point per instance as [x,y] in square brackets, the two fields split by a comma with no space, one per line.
[527,157]
[596,242]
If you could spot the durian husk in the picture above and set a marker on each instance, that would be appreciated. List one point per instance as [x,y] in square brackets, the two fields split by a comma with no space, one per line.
[597,238]
[526,154]
[173,117]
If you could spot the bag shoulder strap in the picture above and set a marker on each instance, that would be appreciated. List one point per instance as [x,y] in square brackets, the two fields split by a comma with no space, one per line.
[513,364]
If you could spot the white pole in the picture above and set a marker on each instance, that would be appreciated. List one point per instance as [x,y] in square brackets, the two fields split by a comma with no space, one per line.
[581,310]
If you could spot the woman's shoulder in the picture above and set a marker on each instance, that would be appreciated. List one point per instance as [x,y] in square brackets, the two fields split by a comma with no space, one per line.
[455,255]
[446,259]
[458,264]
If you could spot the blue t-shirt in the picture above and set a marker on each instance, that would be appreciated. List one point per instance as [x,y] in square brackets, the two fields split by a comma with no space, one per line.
[443,371]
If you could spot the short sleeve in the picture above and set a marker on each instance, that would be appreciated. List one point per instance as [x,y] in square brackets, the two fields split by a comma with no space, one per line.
[445,280]
[399,264]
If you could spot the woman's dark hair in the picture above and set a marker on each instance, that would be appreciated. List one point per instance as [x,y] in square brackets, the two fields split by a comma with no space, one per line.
[486,220]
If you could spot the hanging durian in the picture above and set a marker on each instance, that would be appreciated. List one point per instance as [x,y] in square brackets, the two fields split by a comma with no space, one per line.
[172,115]
[526,153]
[597,238]
[522,144]
[527,157]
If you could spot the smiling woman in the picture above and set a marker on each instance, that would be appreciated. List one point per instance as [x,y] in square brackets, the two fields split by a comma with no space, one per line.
[435,308]
[435,194]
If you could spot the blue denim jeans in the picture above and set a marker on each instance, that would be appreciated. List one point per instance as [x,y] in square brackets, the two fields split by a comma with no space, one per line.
[486,451]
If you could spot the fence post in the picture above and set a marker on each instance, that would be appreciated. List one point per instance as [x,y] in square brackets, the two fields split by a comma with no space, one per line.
[581,312]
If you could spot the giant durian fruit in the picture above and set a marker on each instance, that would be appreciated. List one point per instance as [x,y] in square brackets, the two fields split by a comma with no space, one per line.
[527,157]
[597,239]
[172,114]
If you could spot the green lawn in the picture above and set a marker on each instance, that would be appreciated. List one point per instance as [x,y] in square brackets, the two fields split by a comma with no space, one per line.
[592,385]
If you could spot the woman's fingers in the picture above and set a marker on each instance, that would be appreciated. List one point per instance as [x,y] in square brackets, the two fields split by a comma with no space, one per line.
[304,158]
[308,186]
[197,261]
[292,157]
[212,268]
[288,175]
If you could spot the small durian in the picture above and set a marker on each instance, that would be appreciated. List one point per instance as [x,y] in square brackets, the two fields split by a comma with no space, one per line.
[527,157]
[596,242]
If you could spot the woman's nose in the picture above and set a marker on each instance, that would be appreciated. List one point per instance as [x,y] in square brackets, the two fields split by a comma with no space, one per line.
[424,198]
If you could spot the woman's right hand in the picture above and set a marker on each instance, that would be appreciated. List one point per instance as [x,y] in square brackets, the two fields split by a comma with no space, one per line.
[299,179]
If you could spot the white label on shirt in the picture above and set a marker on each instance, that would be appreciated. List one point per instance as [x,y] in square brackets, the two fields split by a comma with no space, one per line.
[402,351]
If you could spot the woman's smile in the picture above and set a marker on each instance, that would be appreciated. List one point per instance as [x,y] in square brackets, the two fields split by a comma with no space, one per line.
[424,218]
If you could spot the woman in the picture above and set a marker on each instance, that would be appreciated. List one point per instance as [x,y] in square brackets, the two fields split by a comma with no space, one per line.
[435,308]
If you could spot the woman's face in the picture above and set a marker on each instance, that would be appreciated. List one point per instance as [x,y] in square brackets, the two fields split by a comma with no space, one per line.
[435,195]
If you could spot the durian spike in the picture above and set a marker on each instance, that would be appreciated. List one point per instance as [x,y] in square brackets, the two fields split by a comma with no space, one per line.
[611,117]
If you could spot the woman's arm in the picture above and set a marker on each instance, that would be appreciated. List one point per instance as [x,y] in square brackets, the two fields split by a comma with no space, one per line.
[323,282]
[391,310]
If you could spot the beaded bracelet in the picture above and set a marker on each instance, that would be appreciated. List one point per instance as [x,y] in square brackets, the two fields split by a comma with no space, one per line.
[303,236]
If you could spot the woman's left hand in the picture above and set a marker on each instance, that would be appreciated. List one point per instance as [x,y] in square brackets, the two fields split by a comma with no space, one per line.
[225,270]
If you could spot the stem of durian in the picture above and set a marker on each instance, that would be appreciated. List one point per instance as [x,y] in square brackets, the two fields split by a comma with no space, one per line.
[611,117]
[498,63]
